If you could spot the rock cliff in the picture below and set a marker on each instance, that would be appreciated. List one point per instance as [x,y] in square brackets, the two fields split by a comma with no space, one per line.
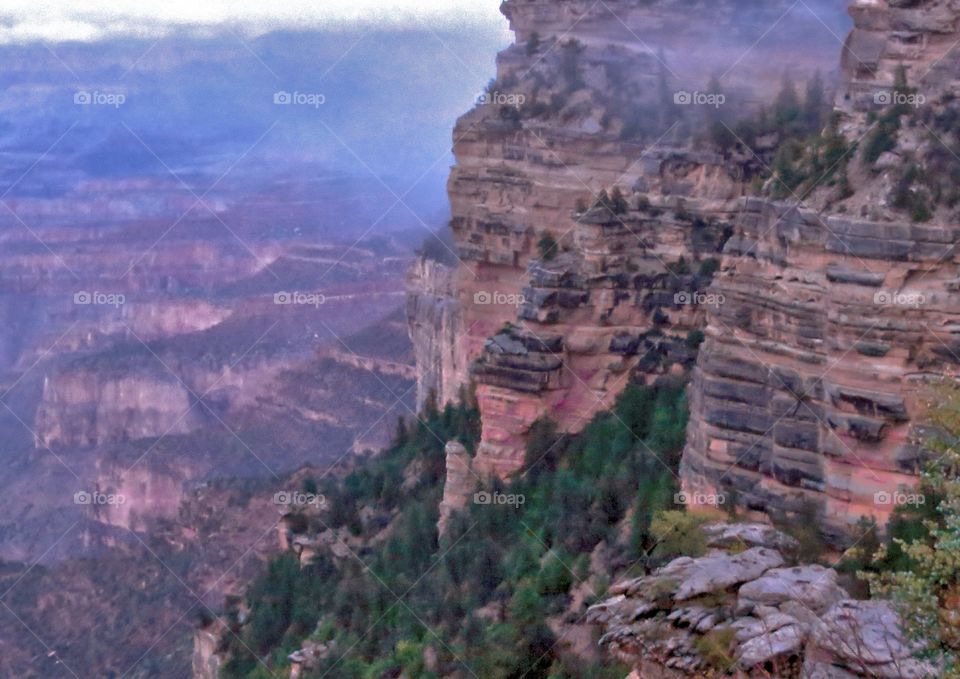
[435,326]
[600,234]
[583,102]
[890,34]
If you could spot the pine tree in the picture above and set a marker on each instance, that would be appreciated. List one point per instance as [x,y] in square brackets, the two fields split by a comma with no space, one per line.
[786,108]
[814,104]
[927,592]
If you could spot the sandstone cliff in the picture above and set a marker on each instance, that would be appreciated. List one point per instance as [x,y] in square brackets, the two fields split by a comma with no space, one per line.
[584,101]
[890,34]
[825,310]
[435,326]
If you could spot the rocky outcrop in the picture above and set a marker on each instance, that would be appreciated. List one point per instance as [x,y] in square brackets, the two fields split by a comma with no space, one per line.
[583,103]
[435,325]
[807,384]
[460,483]
[739,611]
[919,36]
[623,297]
[205,661]
[822,321]
[82,408]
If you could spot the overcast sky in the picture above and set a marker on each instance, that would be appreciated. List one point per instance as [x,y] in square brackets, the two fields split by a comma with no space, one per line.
[59,20]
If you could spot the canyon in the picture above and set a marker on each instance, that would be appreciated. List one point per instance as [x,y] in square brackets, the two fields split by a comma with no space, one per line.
[641,235]
[201,293]
[626,214]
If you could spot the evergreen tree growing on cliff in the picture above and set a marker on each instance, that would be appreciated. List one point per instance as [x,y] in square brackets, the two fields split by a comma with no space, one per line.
[787,110]
[547,246]
[618,204]
[927,588]
[815,104]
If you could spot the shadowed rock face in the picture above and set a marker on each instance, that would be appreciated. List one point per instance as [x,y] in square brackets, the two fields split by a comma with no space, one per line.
[808,382]
[813,372]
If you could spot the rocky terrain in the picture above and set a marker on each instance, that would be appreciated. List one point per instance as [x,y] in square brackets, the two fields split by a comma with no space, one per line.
[594,245]
[638,231]
[744,610]
[199,510]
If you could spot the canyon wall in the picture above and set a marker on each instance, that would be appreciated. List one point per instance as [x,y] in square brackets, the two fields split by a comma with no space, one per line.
[435,325]
[599,236]
[889,34]
[583,102]
[83,408]
[807,384]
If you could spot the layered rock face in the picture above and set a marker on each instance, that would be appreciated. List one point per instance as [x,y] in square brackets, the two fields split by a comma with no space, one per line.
[919,36]
[87,408]
[811,379]
[822,322]
[622,298]
[590,98]
[808,382]
[435,325]
[741,611]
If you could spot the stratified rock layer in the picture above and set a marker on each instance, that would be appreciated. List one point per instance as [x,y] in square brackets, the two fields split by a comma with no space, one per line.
[821,328]
[917,36]
[807,384]
[588,99]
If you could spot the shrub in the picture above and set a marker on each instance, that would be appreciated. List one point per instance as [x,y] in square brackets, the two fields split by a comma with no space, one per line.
[925,585]
[678,533]
[695,338]
[709,267]
[716,648]
[547,245]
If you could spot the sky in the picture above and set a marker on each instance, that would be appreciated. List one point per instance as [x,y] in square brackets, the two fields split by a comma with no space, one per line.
[87,20]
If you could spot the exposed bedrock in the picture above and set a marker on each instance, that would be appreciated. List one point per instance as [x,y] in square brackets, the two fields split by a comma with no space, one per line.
[807,386]
[919,36]
[821,328]
[758,617]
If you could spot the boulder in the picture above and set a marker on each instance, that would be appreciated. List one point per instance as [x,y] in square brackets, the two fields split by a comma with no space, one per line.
[812,586]
[785,641]
[720,570]
[731,535]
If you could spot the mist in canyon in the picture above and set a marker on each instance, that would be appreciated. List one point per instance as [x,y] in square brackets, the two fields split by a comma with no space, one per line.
[244,249]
